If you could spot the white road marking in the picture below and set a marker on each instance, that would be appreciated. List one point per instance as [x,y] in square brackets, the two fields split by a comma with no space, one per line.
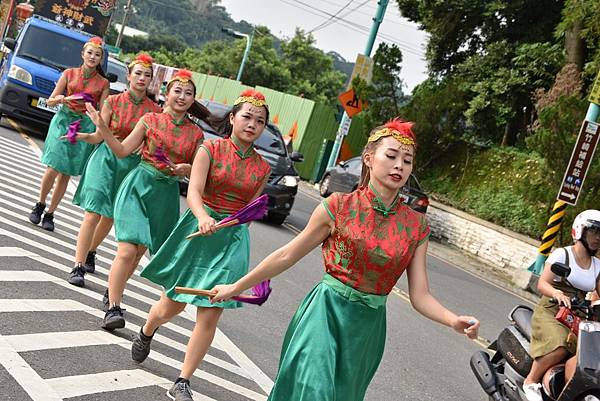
[41,305]
[36,387]
[77,386]
[9,251]
[246,367]
[63,339]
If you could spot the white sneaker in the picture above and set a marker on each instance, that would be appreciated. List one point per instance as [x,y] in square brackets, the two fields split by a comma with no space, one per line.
[533,391]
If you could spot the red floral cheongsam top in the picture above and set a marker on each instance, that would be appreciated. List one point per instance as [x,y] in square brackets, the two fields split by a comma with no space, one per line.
[371,245]
[177,140]
[79,81]
[234,177]
[126,112]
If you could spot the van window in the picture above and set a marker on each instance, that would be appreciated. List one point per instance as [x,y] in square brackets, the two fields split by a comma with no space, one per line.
[64,53]
[119,70]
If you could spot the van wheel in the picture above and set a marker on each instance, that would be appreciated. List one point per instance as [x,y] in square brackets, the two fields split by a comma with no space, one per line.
[324,187]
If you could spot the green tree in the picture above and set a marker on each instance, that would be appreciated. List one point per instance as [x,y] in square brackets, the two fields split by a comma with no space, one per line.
[312,72]
[385,95]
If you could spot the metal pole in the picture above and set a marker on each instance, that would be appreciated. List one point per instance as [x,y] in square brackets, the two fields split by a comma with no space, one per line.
[245,57]
[556,218]
[346,120]
[125,17]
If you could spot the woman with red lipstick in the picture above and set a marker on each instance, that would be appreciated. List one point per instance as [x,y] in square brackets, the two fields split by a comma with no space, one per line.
[335,341]
[64,159]
[227,174]
[104,171]
[147,202]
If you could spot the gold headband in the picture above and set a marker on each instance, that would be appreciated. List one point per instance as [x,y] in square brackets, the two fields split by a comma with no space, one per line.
[180,79]
[252,100]
[403,139]
[140,62]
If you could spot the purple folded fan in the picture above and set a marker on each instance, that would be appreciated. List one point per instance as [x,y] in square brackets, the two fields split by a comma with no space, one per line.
[162,156]
[254,210]
[85,97]
[72,131]
[260,293]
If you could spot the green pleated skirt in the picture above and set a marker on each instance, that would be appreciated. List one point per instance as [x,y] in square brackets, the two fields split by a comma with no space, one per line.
[61,155]
[547,333]
[202,262]
[101,179]
[146,207]
[333,345]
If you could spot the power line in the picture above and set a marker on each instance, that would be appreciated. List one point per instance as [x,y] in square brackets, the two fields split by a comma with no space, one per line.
[324,23]
[331,21]
[391,20]
[354,26]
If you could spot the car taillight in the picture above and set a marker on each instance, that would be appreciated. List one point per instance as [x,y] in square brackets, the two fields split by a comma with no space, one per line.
[423,202]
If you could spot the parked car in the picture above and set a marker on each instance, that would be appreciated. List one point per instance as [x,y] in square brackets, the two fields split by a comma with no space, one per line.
[119,69]
[345,177]
[283,181]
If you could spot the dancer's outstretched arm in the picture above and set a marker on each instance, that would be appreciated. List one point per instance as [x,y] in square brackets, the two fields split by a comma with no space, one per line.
[319,227]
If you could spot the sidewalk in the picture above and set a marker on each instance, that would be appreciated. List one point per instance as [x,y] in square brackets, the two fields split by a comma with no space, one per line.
[454,256]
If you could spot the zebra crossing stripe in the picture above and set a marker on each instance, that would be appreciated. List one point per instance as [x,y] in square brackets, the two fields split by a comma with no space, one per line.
[77,386]
[36,387]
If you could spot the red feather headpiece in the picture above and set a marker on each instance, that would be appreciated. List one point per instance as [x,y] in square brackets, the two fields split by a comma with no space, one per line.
[184,76]
[143,59]
[252,96]
[400,130]
[95,42]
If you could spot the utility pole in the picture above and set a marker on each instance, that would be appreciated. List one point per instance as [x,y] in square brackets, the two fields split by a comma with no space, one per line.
[346,120]
[125,17]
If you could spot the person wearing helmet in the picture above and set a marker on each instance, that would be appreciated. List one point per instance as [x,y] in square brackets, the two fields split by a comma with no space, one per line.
[550,340]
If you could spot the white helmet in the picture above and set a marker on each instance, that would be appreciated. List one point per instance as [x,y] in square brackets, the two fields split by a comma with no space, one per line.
[586,219]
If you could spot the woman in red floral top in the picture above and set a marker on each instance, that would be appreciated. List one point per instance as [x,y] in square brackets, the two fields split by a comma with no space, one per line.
[335,341]
[104,171]
[147,202]
[227,174]
[66,159]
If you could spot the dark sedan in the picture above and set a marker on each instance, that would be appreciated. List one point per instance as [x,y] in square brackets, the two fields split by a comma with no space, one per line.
[345,177]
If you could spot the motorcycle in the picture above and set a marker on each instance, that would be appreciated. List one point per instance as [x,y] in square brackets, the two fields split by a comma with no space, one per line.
[502,376]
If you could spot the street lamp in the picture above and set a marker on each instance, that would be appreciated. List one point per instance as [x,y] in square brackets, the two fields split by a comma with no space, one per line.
[249,38]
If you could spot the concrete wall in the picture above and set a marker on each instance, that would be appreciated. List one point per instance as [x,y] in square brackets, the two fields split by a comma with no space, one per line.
[493,244]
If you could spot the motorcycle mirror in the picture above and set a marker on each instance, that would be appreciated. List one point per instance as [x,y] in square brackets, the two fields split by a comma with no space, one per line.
[560,269]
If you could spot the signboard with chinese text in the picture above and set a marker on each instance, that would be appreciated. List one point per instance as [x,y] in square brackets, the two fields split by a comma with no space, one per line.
[91,16]
[363,67]
[582,155]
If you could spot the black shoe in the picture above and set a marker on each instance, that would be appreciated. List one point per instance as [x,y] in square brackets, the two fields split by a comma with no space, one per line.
[48,221]
[140,347]
[76,277]
[180,391]
[36,213]
[113,319]
[90,262]
[105,300]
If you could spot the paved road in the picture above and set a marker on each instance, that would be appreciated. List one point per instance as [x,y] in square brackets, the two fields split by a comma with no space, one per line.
[51,346]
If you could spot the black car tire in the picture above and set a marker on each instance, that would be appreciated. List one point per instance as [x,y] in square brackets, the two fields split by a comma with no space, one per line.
[324,186]
[277,219]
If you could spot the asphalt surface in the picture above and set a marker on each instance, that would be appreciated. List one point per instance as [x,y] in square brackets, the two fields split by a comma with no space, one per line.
[52,348]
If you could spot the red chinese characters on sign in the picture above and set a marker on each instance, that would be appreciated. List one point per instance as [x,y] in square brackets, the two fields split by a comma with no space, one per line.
[582,155]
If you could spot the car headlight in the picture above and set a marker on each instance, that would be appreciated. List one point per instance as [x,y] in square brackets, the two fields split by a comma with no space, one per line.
[289,181]
[20,74]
